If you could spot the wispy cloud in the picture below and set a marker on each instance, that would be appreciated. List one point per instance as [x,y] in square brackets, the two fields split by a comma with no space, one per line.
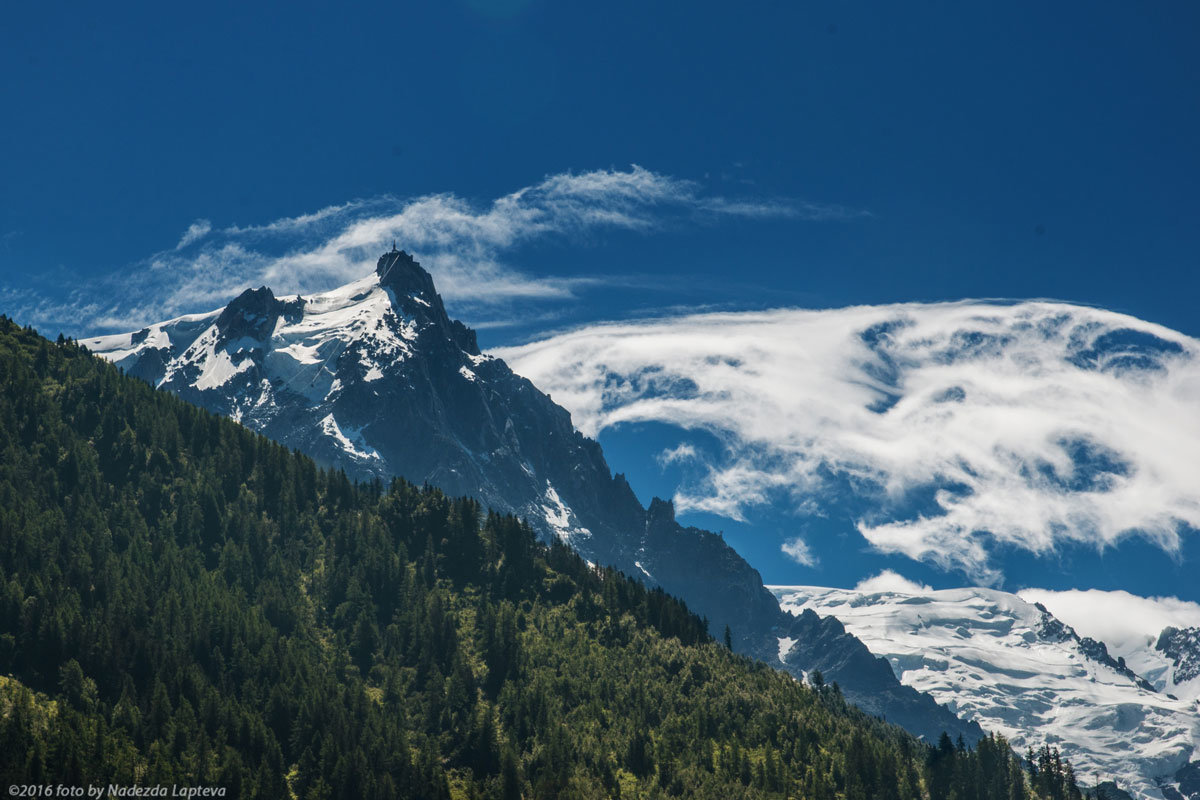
[195,232]
[1125,622]
[965,426]
[463,243]
[798,550]
[681,453]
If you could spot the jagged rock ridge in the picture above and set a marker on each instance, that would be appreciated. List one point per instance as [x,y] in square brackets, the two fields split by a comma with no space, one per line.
[1182,647]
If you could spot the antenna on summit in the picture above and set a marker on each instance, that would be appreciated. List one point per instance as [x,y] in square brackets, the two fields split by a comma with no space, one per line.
[393,245]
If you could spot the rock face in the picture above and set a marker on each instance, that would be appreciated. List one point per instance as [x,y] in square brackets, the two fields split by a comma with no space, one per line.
[812,642]
[1014,668]
[1187,782]
[376,379]
[1052,629]
[1182,649]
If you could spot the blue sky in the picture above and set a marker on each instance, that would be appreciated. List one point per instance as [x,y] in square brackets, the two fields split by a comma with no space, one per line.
[964,129]
[816,155]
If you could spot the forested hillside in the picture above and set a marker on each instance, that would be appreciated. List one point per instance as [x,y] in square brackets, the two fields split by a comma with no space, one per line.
[182,601]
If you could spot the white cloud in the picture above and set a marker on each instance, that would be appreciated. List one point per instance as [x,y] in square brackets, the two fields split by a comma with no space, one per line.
[302,222]
[800,210]
[1123,621]
[196,231]
[682,452]
[1023,425]
[461,242]
[891,581]
[798,550]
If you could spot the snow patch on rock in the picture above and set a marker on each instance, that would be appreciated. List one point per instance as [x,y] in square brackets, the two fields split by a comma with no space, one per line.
[560,518]
[351,442]
[785,644]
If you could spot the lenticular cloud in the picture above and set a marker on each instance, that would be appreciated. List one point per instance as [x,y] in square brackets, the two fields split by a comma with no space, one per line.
[1029,425]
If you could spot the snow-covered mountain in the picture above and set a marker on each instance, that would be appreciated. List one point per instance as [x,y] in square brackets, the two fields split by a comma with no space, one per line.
[1157,637]
[1014,668]
[373,378]
[376,379]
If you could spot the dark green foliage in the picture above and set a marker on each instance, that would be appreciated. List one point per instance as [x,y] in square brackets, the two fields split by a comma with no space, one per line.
[182,601]
[1052,775]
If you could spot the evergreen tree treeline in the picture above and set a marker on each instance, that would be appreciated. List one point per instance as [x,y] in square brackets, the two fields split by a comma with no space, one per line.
[183,601]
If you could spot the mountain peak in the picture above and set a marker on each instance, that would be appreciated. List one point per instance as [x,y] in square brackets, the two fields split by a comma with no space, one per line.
[400,272]
[664,509]
[1182,647]
[253,314]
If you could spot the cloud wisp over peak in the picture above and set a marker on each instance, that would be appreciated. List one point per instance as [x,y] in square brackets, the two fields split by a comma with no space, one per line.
[464,243]
[891,581]
[1125,622]
[965,426]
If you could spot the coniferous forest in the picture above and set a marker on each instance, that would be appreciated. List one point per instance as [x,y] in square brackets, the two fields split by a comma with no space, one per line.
[185,602]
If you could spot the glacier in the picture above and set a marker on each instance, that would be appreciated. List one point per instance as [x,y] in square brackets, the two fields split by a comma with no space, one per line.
[1014,668]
